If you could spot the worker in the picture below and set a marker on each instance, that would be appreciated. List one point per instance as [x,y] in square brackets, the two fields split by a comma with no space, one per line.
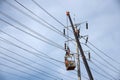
[68,51]
[66,62]
[77,32]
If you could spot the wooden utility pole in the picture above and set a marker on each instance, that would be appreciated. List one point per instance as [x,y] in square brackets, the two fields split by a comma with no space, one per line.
[78,63]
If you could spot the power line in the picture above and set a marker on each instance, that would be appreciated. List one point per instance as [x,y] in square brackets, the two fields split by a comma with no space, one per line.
[53,27]
[98,72]
[35,69]
[36,62]
[38,20]
[48,13]
[14,75]
[35,54]
[102,52]
[103,58]
[30,16]
[105,65]
[22,30]
[60,47]
[29,29]
[21,71]
[56,30]
[50,16]
[38,16]
[47,56]
[103,70]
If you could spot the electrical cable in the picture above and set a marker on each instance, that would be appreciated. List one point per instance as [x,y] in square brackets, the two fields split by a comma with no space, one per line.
[29,16]
[14,75]
[35,54]
[35,69]
[47,56]
[58,31]
[103,59]
[102,52]
[36,62]
[21,71]
[98,72]
[48,13]
[38,17]
[60,47]
[104,71]
[105,65]
[29,29]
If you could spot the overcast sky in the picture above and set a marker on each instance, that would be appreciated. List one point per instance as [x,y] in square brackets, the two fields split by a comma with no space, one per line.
[21,62]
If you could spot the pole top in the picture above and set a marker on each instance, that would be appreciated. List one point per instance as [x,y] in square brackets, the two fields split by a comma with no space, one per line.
[67,13]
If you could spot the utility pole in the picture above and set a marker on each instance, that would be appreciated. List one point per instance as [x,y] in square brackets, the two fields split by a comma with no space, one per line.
[80,48]
[78,63]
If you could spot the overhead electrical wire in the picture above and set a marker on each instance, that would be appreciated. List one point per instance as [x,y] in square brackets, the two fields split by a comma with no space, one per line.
[98,72]
[35,2]
[60,47]
[112,59]
[56,30]
[36,62]
[34,69]
[45,55]
[104,53]
[25,27]
[13,74]
[22,30]
[48,13]
[41,23]
[111,69]
[34,19]
[104,71]
[108,67]
[35,54]
[20,71]
[59,32]
[103,59]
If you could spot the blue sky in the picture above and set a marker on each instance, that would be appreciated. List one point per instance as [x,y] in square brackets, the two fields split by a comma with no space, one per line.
[103,17]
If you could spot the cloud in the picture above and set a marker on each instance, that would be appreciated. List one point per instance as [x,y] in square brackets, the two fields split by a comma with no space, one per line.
[103,18]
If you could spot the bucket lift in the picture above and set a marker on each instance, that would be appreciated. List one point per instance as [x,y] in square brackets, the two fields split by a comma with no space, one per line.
[69,60]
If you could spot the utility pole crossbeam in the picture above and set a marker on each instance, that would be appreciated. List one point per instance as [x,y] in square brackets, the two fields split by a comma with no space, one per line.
[80,48]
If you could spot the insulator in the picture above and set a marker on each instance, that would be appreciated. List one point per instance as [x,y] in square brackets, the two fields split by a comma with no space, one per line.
[65,46]
[89,56]
[86,25]
[63,31]
[86,40]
